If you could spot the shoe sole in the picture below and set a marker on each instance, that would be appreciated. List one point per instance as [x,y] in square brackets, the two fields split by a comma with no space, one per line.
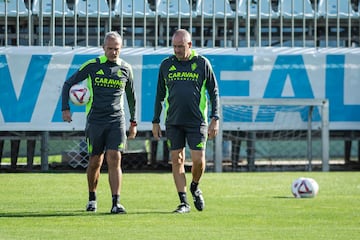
[182,209]
[118,212]
[91,209]
[181,212]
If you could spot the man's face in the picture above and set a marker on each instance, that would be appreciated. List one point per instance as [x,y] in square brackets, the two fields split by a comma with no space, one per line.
[181,48]
[112,48]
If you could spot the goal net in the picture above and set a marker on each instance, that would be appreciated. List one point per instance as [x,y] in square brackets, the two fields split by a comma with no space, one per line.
[272,132]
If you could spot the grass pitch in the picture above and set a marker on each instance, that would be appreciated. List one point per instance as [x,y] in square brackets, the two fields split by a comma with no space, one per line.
[238,206]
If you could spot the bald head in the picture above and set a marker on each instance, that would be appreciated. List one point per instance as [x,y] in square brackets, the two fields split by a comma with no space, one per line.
[181,41]
[182,33]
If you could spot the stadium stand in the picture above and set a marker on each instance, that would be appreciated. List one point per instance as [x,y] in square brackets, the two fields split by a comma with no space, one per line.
[128,9]
[60,8]
[174,8]
[217,9]
[149,23]
[93,8]
[297,9]
[13,8]
[265,9]
[334,9]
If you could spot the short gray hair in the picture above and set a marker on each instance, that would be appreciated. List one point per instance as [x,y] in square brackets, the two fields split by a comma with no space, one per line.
[112,34]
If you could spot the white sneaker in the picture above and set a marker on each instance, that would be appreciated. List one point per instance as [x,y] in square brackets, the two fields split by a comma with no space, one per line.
[182,208]
[91,206]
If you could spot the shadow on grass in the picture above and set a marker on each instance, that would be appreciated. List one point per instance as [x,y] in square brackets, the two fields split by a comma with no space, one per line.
[284,197]
[43,214]
[149,212]
[70,214]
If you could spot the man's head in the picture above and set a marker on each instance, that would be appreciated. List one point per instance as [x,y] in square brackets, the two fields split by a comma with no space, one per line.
[181,42]
[112,46]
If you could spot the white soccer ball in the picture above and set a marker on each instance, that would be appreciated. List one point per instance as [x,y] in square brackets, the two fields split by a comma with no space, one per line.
[304,188]
[79,94]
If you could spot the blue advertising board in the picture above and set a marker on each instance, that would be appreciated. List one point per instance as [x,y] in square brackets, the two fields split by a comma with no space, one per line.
[31,79]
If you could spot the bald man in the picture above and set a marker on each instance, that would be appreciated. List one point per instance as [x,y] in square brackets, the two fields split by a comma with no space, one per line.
[185,78]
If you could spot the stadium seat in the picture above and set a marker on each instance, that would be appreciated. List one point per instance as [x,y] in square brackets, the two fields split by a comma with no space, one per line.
[12,8]
[297,8]
[219,9]
[60,8]
[92,8]
[139,8]
[174,8]
[266,10]
[331,9]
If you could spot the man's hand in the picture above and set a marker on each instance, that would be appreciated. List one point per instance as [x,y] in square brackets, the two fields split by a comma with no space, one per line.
[66,116]
[132,131]
[156,130]
[213,128]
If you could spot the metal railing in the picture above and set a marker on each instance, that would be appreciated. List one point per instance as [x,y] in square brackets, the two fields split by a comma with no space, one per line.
[150,23]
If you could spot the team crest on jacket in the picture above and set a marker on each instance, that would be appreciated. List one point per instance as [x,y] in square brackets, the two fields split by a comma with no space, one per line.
[119,73]
[193,66]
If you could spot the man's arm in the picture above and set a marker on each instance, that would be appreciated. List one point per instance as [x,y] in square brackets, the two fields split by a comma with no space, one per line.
[160,95]
[131,99]
[131,95]
[213,90]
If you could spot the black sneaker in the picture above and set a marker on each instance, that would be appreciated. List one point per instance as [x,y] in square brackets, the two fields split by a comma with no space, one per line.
[198,199]
[118,209]
[91,206]
[182,208]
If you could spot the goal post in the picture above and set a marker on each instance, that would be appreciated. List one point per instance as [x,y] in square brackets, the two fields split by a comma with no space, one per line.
[267,115]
